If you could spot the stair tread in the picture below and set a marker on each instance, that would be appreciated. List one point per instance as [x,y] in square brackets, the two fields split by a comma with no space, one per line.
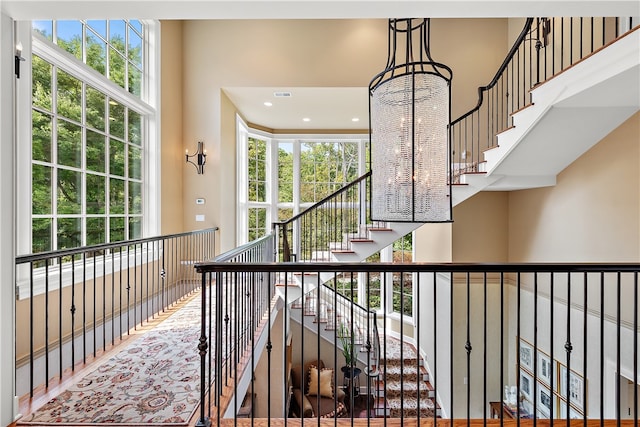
[506,129]
[524,107]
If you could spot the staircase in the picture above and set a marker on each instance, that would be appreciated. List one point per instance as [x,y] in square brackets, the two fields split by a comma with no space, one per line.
[398,382]
[567,115]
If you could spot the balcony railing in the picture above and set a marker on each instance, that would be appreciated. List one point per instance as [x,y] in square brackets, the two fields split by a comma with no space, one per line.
[562,339]
[74,304]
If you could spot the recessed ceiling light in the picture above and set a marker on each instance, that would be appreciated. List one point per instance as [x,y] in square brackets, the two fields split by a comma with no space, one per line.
[268,104]
[355,119]
[306,119]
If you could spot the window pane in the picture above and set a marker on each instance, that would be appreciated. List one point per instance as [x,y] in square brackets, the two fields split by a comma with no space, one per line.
[41,87]
[135,227]
[116,157]
[257,223]
[117,35]
[69,233]
[96,231]
[116,119]
[116,229]
[69,144]
[96,52]
[135,48]
[96,191]
[135,80]
[257,154]
[307,193]
[116,196]
[284,214]
[41,190]
[69,37]
[95,151]
[41,138]
[285,172]
[96,108]
[135,198]
[69,96]
[116,67]
[135,128]
[136,25]
[45,28]
[41,234]
[100,27]
[135,162]
[69,192]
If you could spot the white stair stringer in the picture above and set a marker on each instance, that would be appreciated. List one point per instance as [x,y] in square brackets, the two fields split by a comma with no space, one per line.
[569,114]
[294,286]
[380,240]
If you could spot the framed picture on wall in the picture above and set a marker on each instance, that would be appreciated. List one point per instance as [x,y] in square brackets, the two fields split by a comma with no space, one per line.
[544,397]
[573,413]
[526,385]
[526,355]
[575,388]
[544,368]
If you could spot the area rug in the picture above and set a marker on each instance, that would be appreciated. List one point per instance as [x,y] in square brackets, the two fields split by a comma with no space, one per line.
[153,380]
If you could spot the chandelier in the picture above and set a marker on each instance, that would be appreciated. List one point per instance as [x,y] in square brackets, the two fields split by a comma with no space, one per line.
[409,116]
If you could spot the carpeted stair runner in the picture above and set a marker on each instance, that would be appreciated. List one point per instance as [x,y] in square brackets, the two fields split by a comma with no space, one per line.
[402,379]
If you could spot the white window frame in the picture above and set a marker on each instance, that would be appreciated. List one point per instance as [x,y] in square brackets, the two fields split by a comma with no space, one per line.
[147,105]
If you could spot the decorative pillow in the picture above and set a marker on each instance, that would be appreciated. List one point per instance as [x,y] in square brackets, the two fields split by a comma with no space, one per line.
[321,382]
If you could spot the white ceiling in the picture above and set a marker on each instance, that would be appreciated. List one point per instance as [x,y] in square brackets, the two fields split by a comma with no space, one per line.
[327,108]
[315,9]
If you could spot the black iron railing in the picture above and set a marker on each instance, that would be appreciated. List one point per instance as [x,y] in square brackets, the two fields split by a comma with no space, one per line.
[544,48]
[240,305]
[75,303]
[562,337]
[328,225]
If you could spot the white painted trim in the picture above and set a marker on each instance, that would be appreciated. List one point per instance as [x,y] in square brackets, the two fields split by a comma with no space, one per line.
[152,177]
[8,87]
[242,135]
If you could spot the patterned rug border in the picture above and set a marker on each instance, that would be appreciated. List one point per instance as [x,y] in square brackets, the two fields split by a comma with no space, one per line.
[192,299]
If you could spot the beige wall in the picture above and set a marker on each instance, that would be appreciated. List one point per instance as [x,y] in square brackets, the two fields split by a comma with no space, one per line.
[480,228]
[171,110]
[592,214]
[306,53]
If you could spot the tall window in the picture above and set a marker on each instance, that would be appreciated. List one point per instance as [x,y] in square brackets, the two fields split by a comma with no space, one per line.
[88,140]
[257,188]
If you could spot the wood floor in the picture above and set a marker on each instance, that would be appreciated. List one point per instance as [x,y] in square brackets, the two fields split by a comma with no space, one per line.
[397,422]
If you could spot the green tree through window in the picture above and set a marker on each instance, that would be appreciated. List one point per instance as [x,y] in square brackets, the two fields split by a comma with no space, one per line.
[87,148]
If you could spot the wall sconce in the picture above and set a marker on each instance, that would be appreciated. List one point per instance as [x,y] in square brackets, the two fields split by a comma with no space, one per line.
[18,59]
[200,155]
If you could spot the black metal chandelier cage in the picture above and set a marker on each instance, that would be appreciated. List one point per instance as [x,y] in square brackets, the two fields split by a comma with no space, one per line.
[409,116]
